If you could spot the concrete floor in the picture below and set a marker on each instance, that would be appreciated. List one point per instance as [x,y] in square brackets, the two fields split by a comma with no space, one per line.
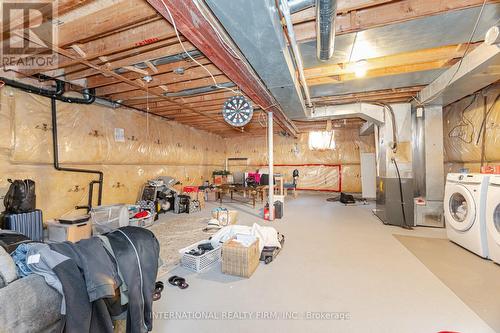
[338,262]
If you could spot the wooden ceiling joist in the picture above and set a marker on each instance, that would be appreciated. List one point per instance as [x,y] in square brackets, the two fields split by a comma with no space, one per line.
[208,41]
[174,80]
[134,56]
[383,14]
[155,90]
[393,95]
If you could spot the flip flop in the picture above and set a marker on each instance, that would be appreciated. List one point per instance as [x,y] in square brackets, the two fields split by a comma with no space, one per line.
[178,281]
[156,296]
[159,287]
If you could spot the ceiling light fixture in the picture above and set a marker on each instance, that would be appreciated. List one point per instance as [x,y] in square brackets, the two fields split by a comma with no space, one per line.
[360,68]
[148,78]
[179,70]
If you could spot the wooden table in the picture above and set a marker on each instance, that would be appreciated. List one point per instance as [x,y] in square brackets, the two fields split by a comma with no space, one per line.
[253,192]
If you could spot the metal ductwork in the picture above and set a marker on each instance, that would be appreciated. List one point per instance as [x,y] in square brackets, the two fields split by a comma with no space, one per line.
[326,10]
[476,70]
[200,90]
[255,27]
[369,112]
[298,5]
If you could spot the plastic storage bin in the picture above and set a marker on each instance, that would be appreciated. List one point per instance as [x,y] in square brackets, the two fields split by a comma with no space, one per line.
[199,263]
[107,218]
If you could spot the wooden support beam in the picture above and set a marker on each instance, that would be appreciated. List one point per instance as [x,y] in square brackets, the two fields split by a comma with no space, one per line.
[397,94]
[443,53]
[393,70]
[99,81]
[99,69]
[390,13]
[171,78]
[173,88]
[117,44]
[78,49]
[187,14]
[134,59]
[136,70]
[152,67]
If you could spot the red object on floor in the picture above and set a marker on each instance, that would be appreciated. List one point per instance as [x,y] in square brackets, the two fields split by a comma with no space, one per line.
[266,213]
[142,214]
[190,189]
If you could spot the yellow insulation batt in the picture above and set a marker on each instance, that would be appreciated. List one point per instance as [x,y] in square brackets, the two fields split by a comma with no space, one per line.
[152,147]
[463,141]
[296,152]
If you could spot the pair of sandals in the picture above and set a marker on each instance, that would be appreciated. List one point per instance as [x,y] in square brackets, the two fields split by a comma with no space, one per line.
[178,281]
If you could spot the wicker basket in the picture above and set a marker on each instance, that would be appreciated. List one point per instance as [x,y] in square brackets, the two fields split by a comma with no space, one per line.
[240,260]
[199,263]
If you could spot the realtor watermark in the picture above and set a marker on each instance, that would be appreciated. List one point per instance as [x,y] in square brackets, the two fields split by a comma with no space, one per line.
[29,34]
[250,315]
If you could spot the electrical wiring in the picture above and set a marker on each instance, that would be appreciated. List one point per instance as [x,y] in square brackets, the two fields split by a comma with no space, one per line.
[458,130]
[189,55]
[462,58]
[483,123]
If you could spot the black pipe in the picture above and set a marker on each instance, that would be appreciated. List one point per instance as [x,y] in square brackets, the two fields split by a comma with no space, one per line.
[57,94]
[88,94]
[58,167]
[36,90]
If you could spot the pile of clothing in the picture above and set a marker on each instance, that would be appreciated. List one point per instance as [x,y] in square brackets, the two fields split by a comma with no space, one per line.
[268,236]
[101,279]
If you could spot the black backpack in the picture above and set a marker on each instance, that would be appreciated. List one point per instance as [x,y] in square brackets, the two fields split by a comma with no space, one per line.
[346,199]
[20,197]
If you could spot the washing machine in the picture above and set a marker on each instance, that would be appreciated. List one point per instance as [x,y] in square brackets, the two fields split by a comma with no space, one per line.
[464,211]
[493,218]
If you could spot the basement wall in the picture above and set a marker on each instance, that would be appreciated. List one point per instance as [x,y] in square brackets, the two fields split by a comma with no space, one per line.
[295,152]
[152,147]
[461,146]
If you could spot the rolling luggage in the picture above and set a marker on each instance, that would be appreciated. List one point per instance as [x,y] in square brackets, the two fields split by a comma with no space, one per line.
[28,224]
[9,240]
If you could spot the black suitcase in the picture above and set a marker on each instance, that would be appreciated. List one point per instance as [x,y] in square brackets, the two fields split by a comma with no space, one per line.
[28,224]
[9,240]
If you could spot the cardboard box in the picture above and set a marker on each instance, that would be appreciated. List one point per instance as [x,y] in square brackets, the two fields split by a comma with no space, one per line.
[219,179]
[59,232]
[211,195]
[240,260]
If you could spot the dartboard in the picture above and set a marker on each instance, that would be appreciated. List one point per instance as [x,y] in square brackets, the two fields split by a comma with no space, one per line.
[237,111]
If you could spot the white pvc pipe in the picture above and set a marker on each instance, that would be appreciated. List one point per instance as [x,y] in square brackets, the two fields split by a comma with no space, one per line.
[296,52]
[271,164]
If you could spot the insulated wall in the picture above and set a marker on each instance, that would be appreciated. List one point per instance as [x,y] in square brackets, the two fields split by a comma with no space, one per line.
[294,152]
[150,147]
[465,145]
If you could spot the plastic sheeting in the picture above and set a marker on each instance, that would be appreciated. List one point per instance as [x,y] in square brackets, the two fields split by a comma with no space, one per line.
[87,135]
[296,152]
[461,131]
[153,147]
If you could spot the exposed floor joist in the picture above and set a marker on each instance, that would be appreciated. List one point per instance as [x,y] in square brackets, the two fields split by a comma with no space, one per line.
[379,14]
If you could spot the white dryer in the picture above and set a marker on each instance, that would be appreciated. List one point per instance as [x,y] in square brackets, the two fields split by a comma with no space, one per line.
[493,217]
[464,211]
